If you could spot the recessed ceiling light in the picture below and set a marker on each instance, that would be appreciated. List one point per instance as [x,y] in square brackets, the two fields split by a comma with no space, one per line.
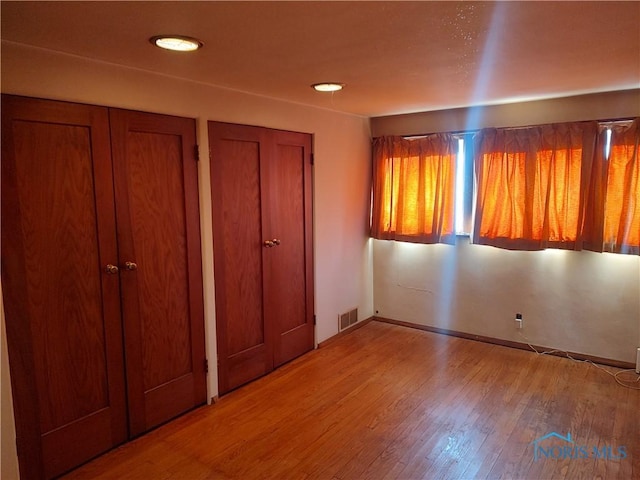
[328,86]
[178,43]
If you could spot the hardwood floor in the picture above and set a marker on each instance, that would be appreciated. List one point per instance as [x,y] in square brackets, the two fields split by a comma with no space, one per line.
[389,402]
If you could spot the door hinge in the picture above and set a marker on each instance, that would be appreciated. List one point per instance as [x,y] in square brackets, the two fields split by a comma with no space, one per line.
[206,365]
[196,153]
[314,319]
[312,159]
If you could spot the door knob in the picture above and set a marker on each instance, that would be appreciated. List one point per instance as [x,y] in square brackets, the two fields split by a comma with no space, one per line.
[130,265]
[112,269]
[271,243]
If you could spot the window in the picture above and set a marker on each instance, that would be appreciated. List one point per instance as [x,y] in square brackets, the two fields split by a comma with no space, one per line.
[570,186]
[413,189]
[532,185]
[459,215]
[621,226]
[464,184]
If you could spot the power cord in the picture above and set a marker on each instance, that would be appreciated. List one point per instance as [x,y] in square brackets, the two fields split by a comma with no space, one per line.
[632,384]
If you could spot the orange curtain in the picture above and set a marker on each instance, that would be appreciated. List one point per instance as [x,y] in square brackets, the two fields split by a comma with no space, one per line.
[533,185]
[414,189]
[621,225]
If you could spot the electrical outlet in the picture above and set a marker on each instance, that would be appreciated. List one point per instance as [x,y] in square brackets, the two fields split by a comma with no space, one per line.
[638,360]
[519,321]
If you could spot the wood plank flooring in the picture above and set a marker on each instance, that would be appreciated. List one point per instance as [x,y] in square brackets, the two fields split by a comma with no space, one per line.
[390,402]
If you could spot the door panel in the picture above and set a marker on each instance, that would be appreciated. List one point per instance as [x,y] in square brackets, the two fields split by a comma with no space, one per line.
[286,266]
[291,268]
[59,250]
[62,308]
[237,234]
[158,231]
[156,206]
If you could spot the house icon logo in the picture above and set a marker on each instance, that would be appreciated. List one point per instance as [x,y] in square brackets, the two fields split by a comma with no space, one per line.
[538,448]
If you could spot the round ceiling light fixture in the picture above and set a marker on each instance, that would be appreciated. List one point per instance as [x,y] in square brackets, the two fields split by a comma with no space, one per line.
[177,43]
[328,86]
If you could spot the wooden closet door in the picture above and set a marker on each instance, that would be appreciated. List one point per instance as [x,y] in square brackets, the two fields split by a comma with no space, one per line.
[289,265]
[263,249]
[244,352]
[158,219]
[62,306]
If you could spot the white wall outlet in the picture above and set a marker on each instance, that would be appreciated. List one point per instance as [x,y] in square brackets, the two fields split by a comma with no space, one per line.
[519,321]
[638,360]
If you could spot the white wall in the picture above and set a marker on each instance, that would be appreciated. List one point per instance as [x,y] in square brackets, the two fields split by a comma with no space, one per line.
[584,302]
[343,272]
[8,459]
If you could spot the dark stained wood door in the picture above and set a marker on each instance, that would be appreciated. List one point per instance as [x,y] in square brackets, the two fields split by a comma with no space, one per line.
[158,219]
[62,306]
[263,249]
[289,265]
[244,351]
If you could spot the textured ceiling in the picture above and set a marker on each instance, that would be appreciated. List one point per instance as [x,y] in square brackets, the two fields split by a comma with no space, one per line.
[395,57]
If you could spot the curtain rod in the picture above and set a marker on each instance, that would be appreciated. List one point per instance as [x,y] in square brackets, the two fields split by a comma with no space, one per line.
[473,132]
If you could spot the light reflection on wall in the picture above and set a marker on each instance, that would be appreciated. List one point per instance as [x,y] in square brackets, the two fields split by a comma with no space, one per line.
[414,262]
